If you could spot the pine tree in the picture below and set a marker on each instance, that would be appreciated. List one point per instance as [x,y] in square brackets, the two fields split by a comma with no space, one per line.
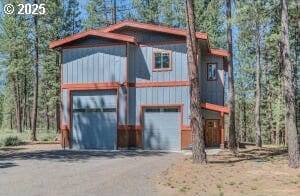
[148,11]
[289,91]
[198,148]
[72,20]
[97,11]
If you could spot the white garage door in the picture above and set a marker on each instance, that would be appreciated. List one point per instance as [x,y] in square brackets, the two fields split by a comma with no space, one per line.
[161,129]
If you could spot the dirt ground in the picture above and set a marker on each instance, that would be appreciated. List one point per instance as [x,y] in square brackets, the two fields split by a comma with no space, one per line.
[253,172]
[30,147]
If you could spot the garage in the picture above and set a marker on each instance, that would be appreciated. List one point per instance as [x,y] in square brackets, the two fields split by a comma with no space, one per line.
[161,128]
[94,120]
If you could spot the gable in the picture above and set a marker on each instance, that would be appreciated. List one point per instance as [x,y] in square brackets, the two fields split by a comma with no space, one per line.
[147,36]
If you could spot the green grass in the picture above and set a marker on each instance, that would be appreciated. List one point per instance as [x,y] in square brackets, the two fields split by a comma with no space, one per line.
[12,138]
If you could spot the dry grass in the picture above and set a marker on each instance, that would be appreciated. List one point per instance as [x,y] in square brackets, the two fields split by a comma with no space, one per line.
[253,172]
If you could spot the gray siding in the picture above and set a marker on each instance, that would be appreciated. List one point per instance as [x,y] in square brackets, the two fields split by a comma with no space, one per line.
[95,64]
[158,95]
[122,105]
[212,91]
[141,61]
[146,36]
[207,114]
[64,106]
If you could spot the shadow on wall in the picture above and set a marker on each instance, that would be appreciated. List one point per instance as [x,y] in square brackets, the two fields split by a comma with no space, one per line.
[92,128]
[153,139]
[80,53]
[143,58]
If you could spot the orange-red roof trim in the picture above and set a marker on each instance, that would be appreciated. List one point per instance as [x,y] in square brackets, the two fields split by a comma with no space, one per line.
[214,107]
[219,52]
[151,27]
[115,36]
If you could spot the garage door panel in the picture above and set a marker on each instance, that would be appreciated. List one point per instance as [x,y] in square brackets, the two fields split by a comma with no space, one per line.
[161,130]
[93,127]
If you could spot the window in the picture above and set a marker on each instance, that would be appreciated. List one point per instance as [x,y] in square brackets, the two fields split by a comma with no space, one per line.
[162,61]
[211,71]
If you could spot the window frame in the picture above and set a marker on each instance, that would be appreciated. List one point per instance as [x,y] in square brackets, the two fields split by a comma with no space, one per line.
[162,52]
[207,78]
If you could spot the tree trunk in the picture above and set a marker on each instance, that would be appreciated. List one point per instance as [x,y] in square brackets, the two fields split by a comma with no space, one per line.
[25,103]
[36,80]
[58,95]
[11,120]
[269,100]
[289,92]
[198,148]
[244,128]
[17,103]
[47,118]
[231,102]
[257,91]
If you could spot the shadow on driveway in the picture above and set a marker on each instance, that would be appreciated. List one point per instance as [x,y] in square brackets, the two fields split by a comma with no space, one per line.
[72,155]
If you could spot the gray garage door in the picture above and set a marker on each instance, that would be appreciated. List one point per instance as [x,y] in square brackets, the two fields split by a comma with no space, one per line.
[161,129]
[94,120]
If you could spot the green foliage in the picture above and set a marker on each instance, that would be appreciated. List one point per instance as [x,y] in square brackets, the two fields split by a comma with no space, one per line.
[10,141]
[211,19]
[97,14]
[72,20]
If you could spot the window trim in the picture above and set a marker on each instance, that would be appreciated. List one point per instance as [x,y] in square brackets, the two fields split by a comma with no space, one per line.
[161,52]
[216,71]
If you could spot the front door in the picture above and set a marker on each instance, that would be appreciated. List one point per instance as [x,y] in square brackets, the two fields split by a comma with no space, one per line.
[212,133]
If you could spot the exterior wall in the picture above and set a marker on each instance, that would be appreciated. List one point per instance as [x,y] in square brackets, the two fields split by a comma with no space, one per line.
[186,135]
[157,95]
[94,64]
[145,36]
[212,91]
[141,62]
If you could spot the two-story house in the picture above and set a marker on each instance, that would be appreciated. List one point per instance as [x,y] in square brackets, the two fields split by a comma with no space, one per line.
[127,85]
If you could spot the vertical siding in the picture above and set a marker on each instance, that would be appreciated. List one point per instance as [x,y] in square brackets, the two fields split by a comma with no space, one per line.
[212,91]
[158,95]
[95,64]
[122,105]
[141,62]
[64,106]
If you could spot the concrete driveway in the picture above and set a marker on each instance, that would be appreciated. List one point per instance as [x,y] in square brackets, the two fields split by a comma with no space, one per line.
[58,172]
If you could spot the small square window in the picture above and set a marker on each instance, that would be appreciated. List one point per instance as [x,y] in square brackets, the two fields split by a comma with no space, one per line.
[212,71]
[162,61]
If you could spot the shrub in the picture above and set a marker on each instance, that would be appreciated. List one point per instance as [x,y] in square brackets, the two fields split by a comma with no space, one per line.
[10,141]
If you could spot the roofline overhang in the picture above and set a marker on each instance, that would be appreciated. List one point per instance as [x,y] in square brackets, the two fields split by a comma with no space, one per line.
[97,33]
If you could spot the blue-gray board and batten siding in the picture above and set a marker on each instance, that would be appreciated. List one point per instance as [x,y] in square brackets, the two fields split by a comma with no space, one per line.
[108,64]
[94,64]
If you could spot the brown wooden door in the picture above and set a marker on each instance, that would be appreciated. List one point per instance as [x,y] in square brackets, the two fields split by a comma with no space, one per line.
[212,133]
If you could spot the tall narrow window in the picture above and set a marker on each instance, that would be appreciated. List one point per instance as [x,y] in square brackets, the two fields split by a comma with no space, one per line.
[162,61]
[212,71]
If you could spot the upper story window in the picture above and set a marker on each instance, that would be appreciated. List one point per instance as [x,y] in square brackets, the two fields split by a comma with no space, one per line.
[211,71]
[162,61]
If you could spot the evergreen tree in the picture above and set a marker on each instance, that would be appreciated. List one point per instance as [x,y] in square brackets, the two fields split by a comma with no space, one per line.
[148,11]
[72,18]
[97,11]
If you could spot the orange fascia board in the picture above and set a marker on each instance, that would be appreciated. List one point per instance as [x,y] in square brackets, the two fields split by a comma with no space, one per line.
[115,36]
[219,52]
[214,107]
[91,86]
[151,27]
[158,84]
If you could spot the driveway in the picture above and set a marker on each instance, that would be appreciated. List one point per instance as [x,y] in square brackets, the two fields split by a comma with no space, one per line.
[58,172]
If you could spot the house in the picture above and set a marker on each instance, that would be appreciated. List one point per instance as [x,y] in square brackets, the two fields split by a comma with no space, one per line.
[127,85]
